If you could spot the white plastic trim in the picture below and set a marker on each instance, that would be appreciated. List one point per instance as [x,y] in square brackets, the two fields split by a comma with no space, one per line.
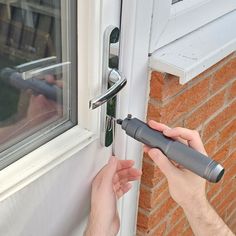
[189,56]
[171,22]
[136,21]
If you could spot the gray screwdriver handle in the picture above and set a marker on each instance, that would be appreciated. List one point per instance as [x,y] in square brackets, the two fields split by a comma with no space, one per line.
[174,150]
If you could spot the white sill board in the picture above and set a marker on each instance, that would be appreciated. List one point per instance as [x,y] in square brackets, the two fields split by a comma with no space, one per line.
[194,53]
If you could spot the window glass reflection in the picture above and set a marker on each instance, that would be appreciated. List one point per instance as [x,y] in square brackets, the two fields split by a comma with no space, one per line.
[35,69]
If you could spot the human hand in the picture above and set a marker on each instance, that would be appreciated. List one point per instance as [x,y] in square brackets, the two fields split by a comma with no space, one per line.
[42,109]
[110,184]
[185,187]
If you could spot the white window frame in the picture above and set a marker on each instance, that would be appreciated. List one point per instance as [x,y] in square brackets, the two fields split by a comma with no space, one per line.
[169,20]
[46,157]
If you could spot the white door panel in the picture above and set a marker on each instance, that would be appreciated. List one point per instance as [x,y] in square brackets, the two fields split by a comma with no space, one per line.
[47,192]
[55,201]
[56,204]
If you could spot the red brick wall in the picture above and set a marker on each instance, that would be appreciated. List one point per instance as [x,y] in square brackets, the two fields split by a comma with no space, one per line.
[207,103]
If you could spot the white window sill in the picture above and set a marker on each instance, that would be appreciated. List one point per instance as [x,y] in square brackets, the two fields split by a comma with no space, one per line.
[194,53]
[35,164]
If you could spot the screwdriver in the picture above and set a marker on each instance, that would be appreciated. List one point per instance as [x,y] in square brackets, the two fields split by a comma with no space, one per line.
[174,150]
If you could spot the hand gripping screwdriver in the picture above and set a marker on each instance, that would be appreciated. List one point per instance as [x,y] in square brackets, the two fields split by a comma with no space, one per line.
[174,150]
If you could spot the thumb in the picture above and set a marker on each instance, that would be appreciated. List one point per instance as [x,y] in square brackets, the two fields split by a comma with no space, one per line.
[111,169]
[166,167]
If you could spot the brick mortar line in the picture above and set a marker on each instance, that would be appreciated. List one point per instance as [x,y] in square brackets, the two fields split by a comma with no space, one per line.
[227,140]
[230,215]
[161,203]
[185,225]
[220,110]
[148,161]
[232,150]
[154,187]
[151,230]
[174,124]
[187,228]
[159,105]
[176,222]
[143,211]
[217,194]
[215,115]
[224,87]
[153,210]
[232,203]
[210,97]
[194,81]
[167,221]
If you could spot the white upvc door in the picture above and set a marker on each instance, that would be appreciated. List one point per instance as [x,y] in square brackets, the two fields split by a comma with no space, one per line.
[47,192]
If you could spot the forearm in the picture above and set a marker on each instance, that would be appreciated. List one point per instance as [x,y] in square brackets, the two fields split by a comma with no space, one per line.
[94,228]
[97,227]
[204,221]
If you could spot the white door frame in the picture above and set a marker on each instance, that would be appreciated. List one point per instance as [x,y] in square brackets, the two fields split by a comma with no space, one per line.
[135,37]
[136,25]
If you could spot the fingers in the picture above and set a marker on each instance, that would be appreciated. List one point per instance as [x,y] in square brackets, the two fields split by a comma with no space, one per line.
[127,175]
[166,167]
[123,189]
[124,164]
[192,137]
[163,128]
[106,174]
[124,174]
[125,170]
[158,126]
[110,169]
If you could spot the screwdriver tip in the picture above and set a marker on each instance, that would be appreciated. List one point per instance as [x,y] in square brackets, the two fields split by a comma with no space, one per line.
[119,121]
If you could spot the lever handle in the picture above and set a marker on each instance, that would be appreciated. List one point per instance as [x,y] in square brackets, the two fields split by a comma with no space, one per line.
[119,81]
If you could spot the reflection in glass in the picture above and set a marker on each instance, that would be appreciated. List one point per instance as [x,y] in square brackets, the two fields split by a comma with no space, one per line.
[35,69]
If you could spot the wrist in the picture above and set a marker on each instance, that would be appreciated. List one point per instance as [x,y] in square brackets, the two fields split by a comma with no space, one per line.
[196,207]
[96,227]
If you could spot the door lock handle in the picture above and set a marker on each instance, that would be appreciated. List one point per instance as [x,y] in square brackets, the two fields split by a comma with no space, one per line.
[118,81]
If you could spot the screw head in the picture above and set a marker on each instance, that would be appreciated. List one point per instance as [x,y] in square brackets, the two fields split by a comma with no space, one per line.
[129,116]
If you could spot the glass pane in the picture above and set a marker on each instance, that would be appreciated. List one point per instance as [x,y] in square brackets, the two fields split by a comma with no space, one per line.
[37,73]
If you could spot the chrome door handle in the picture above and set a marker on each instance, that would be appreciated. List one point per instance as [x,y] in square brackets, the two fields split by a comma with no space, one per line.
[112,82]
[118,80]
